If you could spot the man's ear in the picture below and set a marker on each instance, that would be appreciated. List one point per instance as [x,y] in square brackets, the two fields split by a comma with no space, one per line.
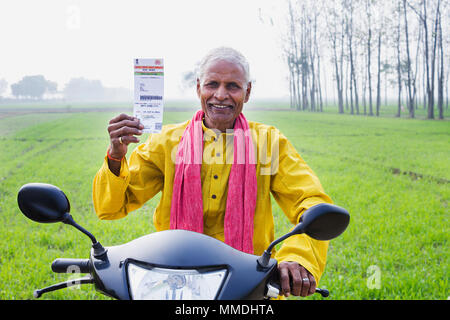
[198,87]
[247,93]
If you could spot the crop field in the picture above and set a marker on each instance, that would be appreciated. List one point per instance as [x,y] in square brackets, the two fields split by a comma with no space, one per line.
[392,175]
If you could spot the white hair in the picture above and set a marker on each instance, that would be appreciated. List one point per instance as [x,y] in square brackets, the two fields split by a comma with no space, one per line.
[224,54]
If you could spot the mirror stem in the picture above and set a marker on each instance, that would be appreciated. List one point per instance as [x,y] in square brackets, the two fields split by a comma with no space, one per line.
[264,259]
[98,248]
[69,220]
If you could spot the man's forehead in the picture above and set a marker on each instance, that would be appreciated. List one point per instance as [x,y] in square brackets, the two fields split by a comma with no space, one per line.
[225,69]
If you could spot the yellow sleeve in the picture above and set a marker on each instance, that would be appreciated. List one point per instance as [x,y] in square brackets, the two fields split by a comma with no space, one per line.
[140,179]
[296,188]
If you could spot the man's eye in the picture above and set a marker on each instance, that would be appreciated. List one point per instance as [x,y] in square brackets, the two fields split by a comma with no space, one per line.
[211,84]
[233,86]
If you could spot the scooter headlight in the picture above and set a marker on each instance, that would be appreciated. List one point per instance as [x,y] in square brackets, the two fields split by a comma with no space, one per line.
[173,284]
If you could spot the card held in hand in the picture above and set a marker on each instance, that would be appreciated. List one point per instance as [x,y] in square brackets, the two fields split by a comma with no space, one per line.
[149,93]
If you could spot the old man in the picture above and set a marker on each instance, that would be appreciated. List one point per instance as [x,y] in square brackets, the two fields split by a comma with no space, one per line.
[216,174]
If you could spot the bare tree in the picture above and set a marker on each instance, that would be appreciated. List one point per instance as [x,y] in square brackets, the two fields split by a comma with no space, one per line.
[336,37]
[349,6]
[382,21]
[302,53]
[399,63]
[292,56]
[429,65]
[318,55]
[368,61]
[433,62]
[369,52]
[441,69]
[408,63]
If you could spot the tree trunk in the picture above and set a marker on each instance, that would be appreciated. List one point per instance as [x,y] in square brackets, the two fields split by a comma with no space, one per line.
[319,83]
[433,63]
[339,85]
[446,77]
[430,111]
[379,76]
[441,73]
[424,84]
[294,58]
[416,72]
[316,49]
[369,55]
[399,67]
[347,81]
[292,89]
[410,103]
[364,89]
[337,74]
[313,86]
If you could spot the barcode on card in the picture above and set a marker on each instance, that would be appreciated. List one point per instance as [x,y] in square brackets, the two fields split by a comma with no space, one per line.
[151,97]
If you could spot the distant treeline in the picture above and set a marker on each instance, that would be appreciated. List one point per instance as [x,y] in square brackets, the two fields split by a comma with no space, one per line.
[368,50]
[36,88]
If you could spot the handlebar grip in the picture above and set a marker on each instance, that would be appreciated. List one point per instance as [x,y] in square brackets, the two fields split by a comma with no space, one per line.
[275,287]
[62,265]
[323,292]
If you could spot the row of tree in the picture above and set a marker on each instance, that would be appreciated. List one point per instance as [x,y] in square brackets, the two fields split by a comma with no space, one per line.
[401,45]
[77,89]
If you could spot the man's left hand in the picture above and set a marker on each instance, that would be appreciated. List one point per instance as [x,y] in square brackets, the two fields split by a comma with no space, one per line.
[295,279]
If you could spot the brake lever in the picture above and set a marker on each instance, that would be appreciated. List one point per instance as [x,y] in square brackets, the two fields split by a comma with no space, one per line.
[85,280]
[323,292]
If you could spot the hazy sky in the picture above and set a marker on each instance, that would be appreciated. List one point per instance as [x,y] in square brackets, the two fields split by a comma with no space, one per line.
[98,39]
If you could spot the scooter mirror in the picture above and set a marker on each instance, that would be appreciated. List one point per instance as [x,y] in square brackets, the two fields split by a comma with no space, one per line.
[323,222]
[43,202]
[46,203]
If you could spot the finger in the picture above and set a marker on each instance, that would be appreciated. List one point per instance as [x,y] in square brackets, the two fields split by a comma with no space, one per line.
[121,117]
[284,280]
[313,284]
[125,123]
[125,131]
[305,282]
[126,140]
[296,277]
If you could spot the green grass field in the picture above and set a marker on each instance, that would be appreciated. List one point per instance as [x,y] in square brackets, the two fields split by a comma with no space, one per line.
[391,174]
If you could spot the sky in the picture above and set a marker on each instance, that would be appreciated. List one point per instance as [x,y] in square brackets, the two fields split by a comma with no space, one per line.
[98,40]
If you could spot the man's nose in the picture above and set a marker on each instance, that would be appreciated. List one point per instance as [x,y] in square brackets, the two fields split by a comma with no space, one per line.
[221,93]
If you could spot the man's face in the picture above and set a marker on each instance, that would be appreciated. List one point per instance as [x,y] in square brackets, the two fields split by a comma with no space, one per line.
[223,92]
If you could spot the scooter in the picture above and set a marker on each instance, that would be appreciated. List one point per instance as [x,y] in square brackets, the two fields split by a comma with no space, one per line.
[173,264]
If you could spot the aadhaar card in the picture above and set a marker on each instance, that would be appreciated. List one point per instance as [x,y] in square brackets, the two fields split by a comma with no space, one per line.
[148,93]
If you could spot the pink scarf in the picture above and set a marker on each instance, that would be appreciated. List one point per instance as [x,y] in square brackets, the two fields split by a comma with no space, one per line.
[187,204]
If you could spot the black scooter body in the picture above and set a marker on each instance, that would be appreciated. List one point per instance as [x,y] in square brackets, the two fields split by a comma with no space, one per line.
[180,249]
[247,276]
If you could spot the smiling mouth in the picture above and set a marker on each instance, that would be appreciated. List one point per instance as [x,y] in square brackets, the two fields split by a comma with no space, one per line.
[220,106]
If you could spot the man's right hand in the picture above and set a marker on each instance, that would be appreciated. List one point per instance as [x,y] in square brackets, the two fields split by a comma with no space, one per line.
[122,130]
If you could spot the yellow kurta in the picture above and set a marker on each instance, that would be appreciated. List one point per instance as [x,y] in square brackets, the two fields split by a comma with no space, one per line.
[280,171]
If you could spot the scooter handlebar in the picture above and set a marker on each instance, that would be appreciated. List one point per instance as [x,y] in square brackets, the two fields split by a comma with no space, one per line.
[273,289]
[62,265]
